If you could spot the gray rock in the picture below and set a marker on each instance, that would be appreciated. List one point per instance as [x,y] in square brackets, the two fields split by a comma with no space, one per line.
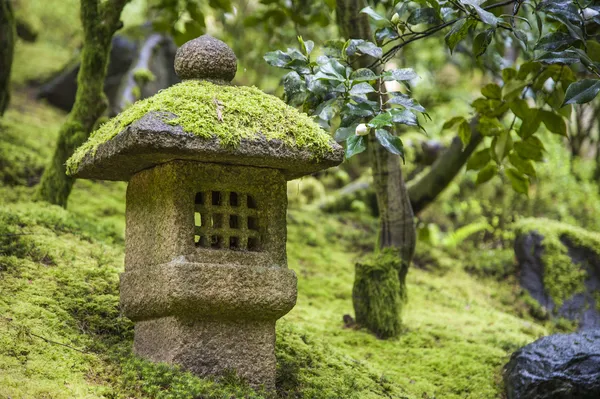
[555,367]
[206,58]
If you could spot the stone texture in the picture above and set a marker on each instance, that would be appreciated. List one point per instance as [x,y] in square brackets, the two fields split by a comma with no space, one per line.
[581,307]
[206,58]
[210,309]
[554,367]
[150,141]
[216,291]
[212,347]
[160,214]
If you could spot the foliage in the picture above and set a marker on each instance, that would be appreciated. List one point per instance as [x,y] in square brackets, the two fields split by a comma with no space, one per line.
[331,88]
[509,113]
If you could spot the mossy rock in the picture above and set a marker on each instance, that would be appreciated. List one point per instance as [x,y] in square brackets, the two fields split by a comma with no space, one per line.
[559,265]
[207,122]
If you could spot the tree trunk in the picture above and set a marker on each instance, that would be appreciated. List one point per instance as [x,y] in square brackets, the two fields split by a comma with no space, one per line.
[397,233]
[99,24]
[396,218]
[7,46]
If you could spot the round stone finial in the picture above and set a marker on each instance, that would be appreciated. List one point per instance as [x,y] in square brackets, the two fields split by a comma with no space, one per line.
[205,58]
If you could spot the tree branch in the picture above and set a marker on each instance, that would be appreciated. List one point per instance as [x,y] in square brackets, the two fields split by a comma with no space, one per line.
[428,32]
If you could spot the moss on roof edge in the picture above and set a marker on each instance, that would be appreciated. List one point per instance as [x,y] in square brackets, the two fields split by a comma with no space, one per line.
[227,113]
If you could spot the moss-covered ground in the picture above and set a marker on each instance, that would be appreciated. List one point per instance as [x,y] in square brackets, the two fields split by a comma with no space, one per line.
[62,335]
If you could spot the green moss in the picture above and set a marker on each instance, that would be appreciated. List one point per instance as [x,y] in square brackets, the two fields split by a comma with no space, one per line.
[562,277]
[228,113]
[143,76]
[378,294]
[27,131]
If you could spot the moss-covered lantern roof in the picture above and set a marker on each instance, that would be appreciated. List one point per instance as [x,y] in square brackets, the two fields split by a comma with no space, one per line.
[206,119]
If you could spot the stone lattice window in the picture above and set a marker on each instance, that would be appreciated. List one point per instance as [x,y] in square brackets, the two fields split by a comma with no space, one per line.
[226,220]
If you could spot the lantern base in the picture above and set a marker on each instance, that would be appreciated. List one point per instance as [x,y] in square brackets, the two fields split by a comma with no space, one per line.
[211,347]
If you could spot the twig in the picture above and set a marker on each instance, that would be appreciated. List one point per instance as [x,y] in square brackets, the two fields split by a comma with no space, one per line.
[426,33]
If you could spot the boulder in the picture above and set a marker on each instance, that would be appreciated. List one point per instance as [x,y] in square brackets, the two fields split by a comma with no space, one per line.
[559,266]
[557,366]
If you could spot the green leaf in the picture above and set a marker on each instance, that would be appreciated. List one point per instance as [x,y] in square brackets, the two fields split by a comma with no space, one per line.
[520,108]
[459,31]
[464,132]
[530,149]
[555,41]
[490,108]
[479,159]
[361,88]
[277,58]
[453,122]
[362,110]
[582,92]
[383,119]
[513,89]
[485,16]
[403,116]
[391,143]
[486,173]
[492,91]
[523,165]
[531,123]
[363,75]
[295,88]
[343,133]
[502,145]
[423,15]
[508,74]
[385,33]
[566,57]
[489,126]
[518,182]
[307,46]
[375,16]
[371,49]
[528,68]
[554,122]
[400,74]
[482,41]
[355,145]
[405,101]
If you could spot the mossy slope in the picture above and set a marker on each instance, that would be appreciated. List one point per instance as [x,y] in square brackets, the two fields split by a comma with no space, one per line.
[228,113]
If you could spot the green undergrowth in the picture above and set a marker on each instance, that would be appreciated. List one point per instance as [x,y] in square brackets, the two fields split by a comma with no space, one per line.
[228,113]
[62,335]
[563,278]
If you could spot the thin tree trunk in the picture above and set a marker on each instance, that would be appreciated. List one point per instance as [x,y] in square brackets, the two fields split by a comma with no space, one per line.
[396,218]
[100,22]
[7,46]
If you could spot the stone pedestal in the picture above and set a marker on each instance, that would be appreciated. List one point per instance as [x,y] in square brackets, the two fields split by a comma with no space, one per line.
[212,347]
[212,305]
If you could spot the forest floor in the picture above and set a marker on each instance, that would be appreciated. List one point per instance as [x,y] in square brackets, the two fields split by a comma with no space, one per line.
[62,334]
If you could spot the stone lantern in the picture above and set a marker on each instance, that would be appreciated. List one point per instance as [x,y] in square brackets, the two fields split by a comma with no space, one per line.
[206,272]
